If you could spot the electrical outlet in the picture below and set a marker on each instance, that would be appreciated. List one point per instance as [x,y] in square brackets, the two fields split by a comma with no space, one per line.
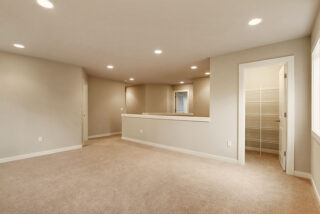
[121,109]
[40,139]
[229,143]
[141,131]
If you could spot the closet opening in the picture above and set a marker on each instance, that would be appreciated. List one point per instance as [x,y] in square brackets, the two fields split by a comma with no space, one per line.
[265,129]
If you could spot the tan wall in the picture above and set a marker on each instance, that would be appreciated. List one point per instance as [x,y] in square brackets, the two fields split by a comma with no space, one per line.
[38,98]
[315,145]
[224,89]
[106,98]
[150,98]
[201,97]
[135,99]
[264,77]
[188,87]
[156,98]
[212,137]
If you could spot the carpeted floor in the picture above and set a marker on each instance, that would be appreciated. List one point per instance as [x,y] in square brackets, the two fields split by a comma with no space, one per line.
[113,176]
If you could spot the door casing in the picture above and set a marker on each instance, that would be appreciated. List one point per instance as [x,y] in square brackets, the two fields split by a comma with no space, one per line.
[290,108]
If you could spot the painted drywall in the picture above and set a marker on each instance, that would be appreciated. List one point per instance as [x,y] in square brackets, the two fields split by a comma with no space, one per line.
[159,98]
[149,98]
[315,143]
[224,90]
[38,98]
[264,77]
[135,99]
[106,104]
[188,135]
[201,97]
[212,137]
[156,98]
[188,87]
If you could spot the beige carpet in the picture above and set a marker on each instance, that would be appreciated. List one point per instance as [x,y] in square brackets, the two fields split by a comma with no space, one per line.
[113,176]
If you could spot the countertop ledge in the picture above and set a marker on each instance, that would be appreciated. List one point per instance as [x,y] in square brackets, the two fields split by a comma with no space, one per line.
[165,117]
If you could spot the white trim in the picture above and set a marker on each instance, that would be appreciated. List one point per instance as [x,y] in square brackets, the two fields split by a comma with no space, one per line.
[185,151]
[271,151]
[241,118]
[174,95]
[104,135]
[315,126]
[37,154]
[302,174]
[316,192]
[315,137]
[290,110]
[161,117]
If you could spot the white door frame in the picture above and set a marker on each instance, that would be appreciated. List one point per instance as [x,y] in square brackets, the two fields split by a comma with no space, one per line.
[174,95]
[290,108]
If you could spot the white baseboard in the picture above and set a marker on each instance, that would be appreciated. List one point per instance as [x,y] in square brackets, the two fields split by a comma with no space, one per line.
[272,151]
[309,176]
[302,174]
[316,192]
[103,135]
[37,154]
[185,151]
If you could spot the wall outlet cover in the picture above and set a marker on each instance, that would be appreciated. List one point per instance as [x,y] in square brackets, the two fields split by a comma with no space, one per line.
[229,143]
[40,139]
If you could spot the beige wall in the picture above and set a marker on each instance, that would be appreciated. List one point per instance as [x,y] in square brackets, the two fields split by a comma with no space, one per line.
[106,98]
[135,99]
[264,77]
[201,97]
[212,137]
[149,98]
[156,98]
[38,98]
[315,145]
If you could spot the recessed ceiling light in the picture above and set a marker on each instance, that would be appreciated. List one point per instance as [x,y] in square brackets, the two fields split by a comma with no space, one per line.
[255,21]
[45,3]
[207,73]
[18,45]
[158,51]
[194,67]
[181,82]
[110,66]
[131,79]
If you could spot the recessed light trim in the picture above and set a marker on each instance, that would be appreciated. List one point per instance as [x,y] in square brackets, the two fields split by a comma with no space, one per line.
[110,66]
[16,45]
[207,73]
[45,3]
[131,79]
[158,51]
[255,21]
[194,67]
[181,82]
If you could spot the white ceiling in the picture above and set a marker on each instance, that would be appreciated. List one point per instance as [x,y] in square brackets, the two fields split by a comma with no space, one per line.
[125,33]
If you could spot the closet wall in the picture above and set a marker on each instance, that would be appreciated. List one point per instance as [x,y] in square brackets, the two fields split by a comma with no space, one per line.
[262,109]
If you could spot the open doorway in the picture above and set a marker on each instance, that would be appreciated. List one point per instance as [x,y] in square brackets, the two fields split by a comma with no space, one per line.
[266,110]
[181,101]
